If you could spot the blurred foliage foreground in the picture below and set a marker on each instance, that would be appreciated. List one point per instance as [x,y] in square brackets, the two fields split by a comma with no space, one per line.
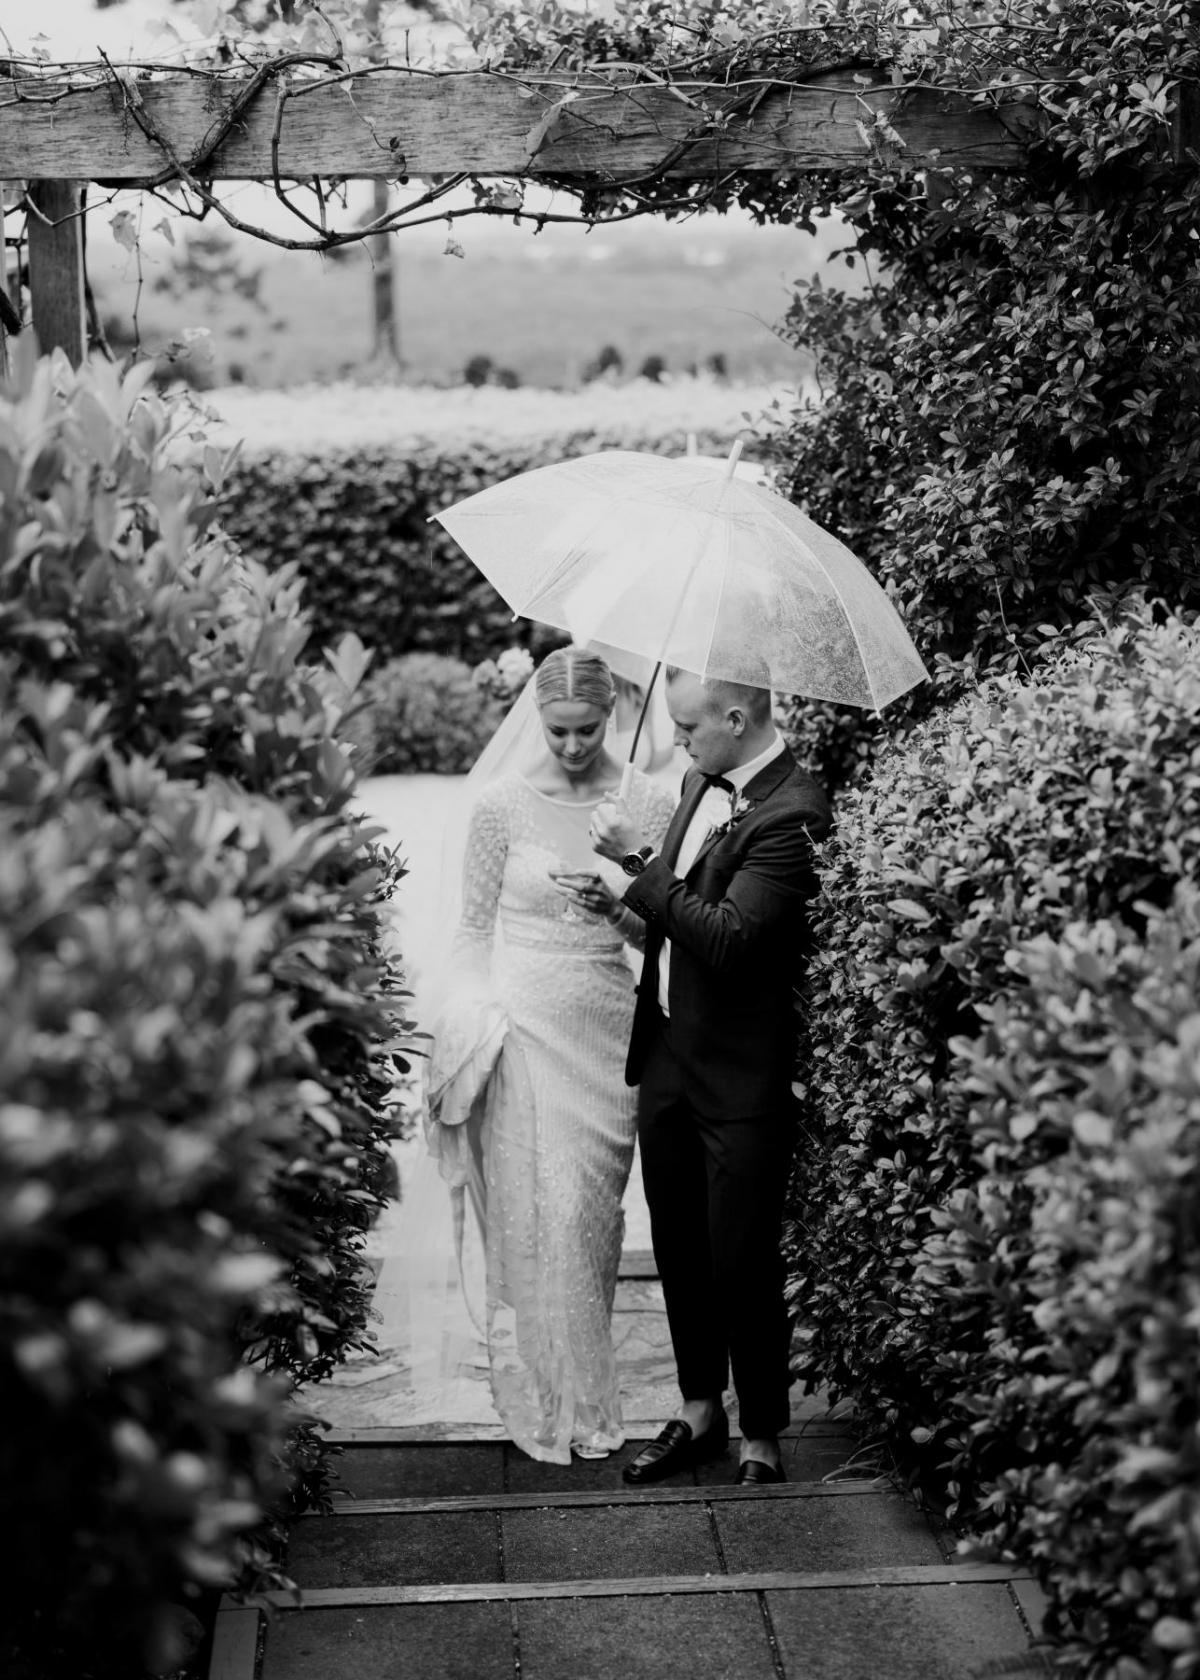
[204,1028]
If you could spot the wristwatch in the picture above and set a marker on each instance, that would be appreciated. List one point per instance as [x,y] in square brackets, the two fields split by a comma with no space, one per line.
[634,862]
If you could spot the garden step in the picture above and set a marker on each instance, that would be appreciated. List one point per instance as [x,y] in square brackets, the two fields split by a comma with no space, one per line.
[930,1623]
[451,1553]
[608,1534]
[396,1465]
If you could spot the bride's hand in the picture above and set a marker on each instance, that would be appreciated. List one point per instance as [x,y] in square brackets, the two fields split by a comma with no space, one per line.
[613,832]
[589,892]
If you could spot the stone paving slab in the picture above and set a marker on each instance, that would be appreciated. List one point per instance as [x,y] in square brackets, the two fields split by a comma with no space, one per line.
[638,1294]
[436,1471]
[418,1468]
[937,1632]
[613,1542]
[379,1551]
[466,1642]
[833,1533]
[645,1639]
[807,1458]
[818,1453]
[902,1633]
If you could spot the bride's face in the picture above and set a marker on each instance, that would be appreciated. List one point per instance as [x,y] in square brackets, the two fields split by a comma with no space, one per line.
[574,732]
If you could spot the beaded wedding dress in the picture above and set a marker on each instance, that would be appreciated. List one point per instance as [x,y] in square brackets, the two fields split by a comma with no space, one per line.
[535,1118]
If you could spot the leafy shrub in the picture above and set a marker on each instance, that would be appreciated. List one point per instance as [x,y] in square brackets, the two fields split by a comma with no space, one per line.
[1011,419]
[204,1027]
[993,1233]
[423,711]
[355,524]
[1092,1419]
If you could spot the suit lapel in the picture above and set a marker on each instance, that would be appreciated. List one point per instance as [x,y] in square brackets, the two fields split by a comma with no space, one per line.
[769,777]
[757,789]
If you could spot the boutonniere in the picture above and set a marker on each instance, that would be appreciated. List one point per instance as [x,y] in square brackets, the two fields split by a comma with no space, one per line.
[740,808]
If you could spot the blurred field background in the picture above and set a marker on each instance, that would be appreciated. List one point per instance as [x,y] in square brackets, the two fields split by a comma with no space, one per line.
[541,309]
[700,297]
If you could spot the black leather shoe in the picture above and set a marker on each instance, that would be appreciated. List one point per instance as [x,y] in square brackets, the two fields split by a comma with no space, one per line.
[676,1448]
[754,1473]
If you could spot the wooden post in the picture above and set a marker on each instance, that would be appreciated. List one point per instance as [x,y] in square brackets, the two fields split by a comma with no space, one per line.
[385,338]
[3,288]
[55,230]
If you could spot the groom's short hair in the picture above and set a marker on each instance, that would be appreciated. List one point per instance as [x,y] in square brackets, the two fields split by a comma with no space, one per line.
[721,696]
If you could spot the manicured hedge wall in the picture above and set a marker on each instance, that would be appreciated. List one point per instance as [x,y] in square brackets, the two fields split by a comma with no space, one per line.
[203,1031]
[355,522]
[995,1219]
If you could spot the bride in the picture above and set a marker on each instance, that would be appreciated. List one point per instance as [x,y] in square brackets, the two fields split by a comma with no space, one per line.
[529,1115]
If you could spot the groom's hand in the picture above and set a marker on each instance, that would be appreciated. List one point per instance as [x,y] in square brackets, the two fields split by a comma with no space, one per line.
[613,832]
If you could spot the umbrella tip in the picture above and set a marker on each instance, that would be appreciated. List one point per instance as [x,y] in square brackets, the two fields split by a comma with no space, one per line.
[732,462]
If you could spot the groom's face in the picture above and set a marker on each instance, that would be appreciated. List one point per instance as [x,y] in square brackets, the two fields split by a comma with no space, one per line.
[702,729]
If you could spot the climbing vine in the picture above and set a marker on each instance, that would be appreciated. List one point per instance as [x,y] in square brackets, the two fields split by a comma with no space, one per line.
[721,62]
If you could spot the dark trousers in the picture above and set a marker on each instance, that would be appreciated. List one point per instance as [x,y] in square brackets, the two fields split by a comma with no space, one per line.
[715,1190]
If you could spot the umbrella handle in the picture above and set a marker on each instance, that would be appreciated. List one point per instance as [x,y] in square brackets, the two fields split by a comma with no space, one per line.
[627,770]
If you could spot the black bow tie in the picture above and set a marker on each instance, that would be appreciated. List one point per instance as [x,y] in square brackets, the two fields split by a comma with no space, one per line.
[721,782]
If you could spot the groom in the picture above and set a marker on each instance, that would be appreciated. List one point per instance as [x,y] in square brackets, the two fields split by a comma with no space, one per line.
[712,1050]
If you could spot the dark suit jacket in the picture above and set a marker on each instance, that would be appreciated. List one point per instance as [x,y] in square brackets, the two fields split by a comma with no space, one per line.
[738,927]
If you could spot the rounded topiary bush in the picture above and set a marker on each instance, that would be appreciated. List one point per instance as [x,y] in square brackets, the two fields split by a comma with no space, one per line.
[204,1027]
[422,712]
[993,1236]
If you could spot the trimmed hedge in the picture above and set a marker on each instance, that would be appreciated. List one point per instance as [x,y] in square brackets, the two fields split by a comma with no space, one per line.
[206,1024]
[355,524]
[994,1238]
[422,712]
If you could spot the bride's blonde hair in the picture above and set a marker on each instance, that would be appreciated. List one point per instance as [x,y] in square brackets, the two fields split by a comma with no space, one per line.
[572,673]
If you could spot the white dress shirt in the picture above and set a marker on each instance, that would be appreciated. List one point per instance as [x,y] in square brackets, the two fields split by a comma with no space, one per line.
[715,807]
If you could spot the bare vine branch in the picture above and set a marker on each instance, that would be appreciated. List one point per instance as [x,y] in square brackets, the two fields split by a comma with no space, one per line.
[740,73]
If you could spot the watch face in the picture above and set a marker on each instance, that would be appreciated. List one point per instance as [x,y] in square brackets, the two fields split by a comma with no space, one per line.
[634,862]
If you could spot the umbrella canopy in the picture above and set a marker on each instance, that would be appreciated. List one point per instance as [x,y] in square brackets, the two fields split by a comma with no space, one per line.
[680,559]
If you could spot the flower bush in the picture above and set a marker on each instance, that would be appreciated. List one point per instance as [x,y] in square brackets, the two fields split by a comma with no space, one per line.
[203,1029]
[994,1236]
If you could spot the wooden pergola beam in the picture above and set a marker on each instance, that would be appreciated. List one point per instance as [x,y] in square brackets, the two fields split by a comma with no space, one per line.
[55,235]
[4,323]
[399,122]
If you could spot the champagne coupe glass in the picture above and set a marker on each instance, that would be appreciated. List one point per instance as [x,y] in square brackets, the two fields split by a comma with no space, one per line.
[564,866]
[560,867]
[575,858]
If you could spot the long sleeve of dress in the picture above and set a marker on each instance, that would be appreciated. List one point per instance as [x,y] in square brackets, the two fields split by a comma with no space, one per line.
[482,877]
[468,1017]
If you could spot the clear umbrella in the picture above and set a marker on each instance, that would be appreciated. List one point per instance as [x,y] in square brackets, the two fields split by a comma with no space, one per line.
[681,560]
